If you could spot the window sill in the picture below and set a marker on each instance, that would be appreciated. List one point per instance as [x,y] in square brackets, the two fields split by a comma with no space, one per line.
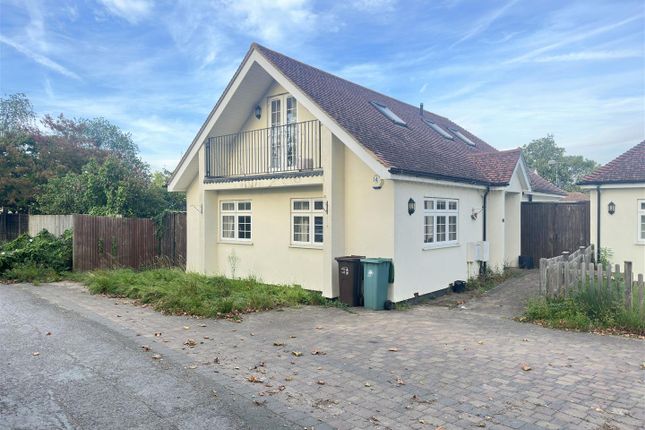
[441,246]
[234,242]
[640,243]
[305,246]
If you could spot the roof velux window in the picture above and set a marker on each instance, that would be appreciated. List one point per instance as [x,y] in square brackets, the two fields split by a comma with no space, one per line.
[388,113]
[463,137]
[438,129]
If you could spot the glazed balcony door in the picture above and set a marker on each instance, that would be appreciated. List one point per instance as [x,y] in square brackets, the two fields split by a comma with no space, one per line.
[283,116]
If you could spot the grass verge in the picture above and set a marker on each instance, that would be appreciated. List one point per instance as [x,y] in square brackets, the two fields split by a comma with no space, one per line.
[587,309]
[175,292]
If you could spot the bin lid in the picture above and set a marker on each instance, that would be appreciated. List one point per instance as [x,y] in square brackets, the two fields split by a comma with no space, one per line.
[350,258]
[376,260]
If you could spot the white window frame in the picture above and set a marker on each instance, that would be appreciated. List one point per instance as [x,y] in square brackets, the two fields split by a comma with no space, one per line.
[640,229]
[236,213]
[311,213]
[434,208]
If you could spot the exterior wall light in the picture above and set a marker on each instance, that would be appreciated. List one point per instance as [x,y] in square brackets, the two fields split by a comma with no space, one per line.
[411,206]
[611,207]
[258,111]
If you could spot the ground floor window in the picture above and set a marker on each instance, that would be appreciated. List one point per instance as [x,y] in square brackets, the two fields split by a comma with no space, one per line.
[307,221]
[440,221]
[236,220]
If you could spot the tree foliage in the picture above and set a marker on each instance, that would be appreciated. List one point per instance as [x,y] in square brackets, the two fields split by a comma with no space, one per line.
[552,163]
[74,165]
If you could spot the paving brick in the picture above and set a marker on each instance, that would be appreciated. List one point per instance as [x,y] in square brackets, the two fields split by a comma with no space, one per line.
[450,378]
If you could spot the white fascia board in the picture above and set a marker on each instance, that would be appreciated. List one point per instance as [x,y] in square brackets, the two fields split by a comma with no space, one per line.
[193,150]
[557,196]
[358,149]
[521,167]
[405,178]
[612,186]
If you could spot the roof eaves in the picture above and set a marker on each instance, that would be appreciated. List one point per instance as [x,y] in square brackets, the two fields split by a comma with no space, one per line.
[418,174]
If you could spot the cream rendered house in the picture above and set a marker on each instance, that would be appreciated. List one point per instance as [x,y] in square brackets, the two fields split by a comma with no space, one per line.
[294,167]
[617,193]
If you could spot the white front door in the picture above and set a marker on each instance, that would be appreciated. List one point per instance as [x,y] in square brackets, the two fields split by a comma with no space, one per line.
[283,116]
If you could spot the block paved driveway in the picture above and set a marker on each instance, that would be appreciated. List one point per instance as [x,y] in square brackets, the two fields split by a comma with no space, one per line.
[425,367]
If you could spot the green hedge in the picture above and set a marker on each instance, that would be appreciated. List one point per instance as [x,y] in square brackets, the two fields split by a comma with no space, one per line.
[44,253]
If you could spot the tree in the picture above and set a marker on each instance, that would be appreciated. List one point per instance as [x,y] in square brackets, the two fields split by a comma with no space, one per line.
[551,162]
[59,151]
[172,201]
[107,188]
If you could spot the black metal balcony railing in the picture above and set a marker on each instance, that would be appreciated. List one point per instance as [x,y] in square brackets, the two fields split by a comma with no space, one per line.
[286,148]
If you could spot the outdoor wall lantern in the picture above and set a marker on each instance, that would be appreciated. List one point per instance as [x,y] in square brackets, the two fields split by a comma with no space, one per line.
[611,208]
[258,111]
[411,206]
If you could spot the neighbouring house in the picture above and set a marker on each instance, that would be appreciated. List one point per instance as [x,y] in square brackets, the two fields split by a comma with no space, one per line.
[295,167]
[617,193]
[542,190]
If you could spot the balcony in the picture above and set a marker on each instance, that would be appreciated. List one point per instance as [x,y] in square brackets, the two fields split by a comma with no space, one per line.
[289,148]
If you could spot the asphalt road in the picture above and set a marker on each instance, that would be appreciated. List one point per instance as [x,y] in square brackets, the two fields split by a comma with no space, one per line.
[60,369]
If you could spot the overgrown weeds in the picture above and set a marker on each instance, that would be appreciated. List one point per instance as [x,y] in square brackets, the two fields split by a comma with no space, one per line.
[489,279]
[42,258]
[589,309]
[175,292]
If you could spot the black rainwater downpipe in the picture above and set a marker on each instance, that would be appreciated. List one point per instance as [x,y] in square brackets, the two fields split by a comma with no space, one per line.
[598,223]
[482,264]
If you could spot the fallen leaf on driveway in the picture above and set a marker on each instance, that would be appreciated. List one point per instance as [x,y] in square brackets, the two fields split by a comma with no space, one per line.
[296,353]
[190,343]
[317,352]
[481,342]
[157,334]
[146,348]
[526,367]
[393,349]
[367,384]
[186,327]
[278,343]
[418,399]
[320,382]
[399,381]
[202,325]
[156,356]
[192,366]
[49,333]
[260,402]
[643,365]
[318,327]
[254,379]
[525,340]
[35,354]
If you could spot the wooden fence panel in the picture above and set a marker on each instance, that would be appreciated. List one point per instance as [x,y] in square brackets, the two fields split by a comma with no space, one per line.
[12,226]
[549,228]
[107,242]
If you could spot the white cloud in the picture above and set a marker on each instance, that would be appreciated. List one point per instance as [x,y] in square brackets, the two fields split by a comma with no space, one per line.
[485,22]
[590,55]
[572,37]
[374,6]
[132,11]
[39,58]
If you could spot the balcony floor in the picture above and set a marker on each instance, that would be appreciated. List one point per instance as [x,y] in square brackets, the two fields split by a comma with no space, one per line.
[276,175]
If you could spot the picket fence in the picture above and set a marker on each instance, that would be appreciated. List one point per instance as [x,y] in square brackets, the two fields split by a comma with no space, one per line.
[564,273]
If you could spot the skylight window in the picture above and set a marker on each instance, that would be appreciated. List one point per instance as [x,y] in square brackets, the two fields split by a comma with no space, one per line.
[438,129]
[388,113]
[463,137]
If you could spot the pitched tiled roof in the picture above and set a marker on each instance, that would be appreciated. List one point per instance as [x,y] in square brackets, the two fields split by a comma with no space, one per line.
[414,149]
[496,167]
[576,197]
[541,185]
[626,169]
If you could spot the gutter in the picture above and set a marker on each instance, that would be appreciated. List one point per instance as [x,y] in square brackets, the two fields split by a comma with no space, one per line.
[482,264]
[598,223]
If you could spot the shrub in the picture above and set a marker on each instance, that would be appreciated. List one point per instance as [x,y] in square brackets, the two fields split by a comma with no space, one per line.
[588,309]
[33,273]
[44,252]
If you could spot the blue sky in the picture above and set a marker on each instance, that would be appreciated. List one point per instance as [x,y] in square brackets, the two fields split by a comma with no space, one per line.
[509,71]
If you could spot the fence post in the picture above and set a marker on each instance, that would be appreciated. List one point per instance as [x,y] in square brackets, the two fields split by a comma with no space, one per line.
[592,257]
[641,293]
[591,276]
[628,284]
[543,275]
[566,274]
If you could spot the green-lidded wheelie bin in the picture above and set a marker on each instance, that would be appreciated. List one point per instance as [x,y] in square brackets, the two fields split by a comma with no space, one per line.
[377,274]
